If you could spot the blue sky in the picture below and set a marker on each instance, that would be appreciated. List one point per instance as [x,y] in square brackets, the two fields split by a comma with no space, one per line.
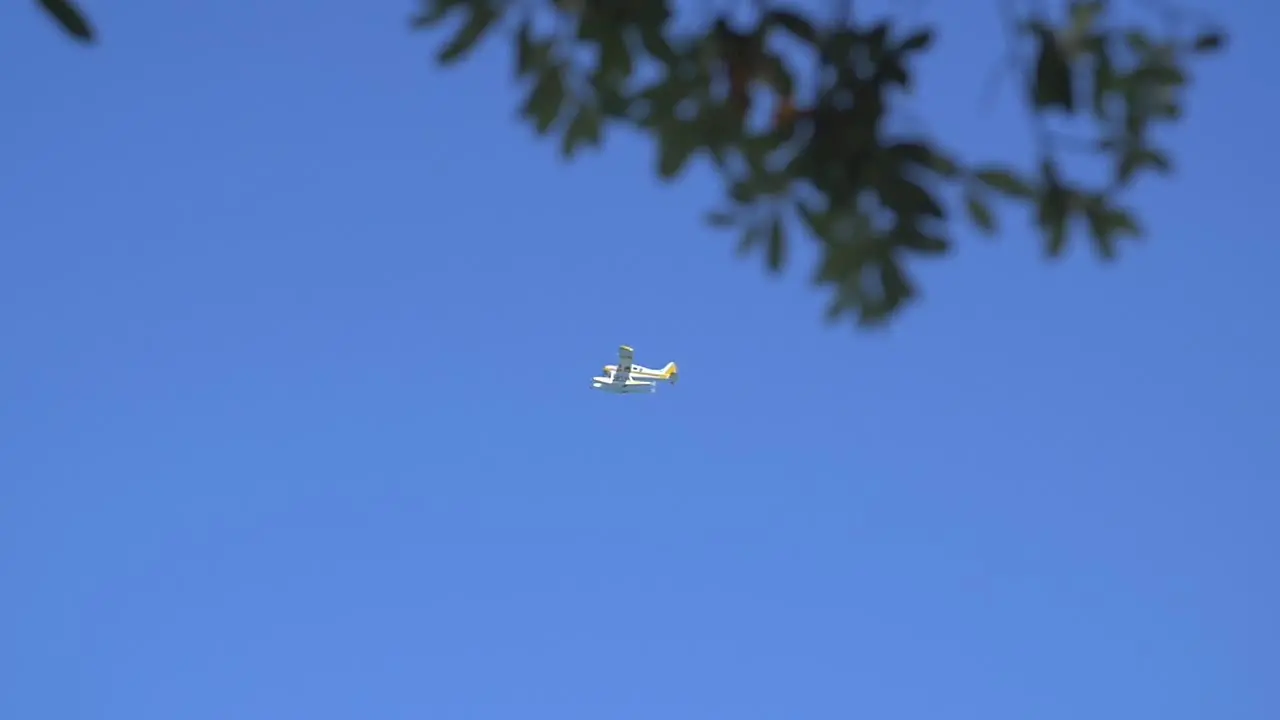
[295,415]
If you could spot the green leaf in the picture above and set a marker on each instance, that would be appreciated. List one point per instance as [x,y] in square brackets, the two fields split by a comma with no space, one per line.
[924,243]
[1053,214]
[546,100]
[1123,223]
[1138,159]
[907,198]
[72,20]
[818,223]
[1084,15]
[1162,75]
[895,288]
[794,24]
[650,19]
[659,101]
[531,55]
[1005,182]
[910,153]
[612,103]
[777,254]
[1052,87]
[744,191]
[980,214]
[1156,160]
[1108,224]
[482,17]
[654,41]
[943,165]
[676,146]
[584,129]
[875,40]
[894,73]
[1208,42]
[1100,228]
[778,75]
[919,41]
[615,57]
[839,264]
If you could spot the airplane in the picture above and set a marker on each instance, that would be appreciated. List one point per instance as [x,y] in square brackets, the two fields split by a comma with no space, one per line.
[627,378]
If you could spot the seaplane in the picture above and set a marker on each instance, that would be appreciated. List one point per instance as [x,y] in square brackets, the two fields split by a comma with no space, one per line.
[627,378]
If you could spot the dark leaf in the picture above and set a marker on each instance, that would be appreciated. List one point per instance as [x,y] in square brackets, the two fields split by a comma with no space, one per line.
[794,24]
[895,288]
[1122,223]
[546,100]
[839,44]
[482,17]
[531,55]
[583,130]
[839,264]
[943,165]
[743,191]
[919,41]
[818,223]
[778,75]
[910,153]
[612,103]
[1107,225]
[1100,228]
[677,144]
[660,100]
[615,57]
[1052,86]
[777,245]
[655,43]
[980,214]
[1138,159]
[875,40]
[893,73]
[1156,160]
[907,198]
[1104,78]
[1208,42]
[1162,75]
[1168,111]
[924,243]
[1005,182]
[721,219]
[1084,15]
[650,19]
[1053,216]
[70,18]
[591,25]
[752,236]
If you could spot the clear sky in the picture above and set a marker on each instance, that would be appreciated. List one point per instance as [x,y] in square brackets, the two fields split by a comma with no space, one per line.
[295,417]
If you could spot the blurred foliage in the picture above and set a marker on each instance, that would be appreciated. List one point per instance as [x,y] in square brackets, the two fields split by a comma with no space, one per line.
[70,18]
[791,109]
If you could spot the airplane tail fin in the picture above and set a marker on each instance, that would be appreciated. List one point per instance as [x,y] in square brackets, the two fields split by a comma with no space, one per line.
[671,372]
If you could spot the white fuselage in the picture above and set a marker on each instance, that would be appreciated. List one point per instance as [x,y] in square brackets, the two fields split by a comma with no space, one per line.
[635,379]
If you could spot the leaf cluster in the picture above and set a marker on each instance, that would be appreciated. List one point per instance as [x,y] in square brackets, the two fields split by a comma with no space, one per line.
[70,19]
[822,160]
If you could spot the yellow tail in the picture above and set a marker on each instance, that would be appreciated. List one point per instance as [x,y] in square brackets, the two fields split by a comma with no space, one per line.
[670,372]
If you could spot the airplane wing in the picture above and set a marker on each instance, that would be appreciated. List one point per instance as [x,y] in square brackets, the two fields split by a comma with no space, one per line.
[626,356]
